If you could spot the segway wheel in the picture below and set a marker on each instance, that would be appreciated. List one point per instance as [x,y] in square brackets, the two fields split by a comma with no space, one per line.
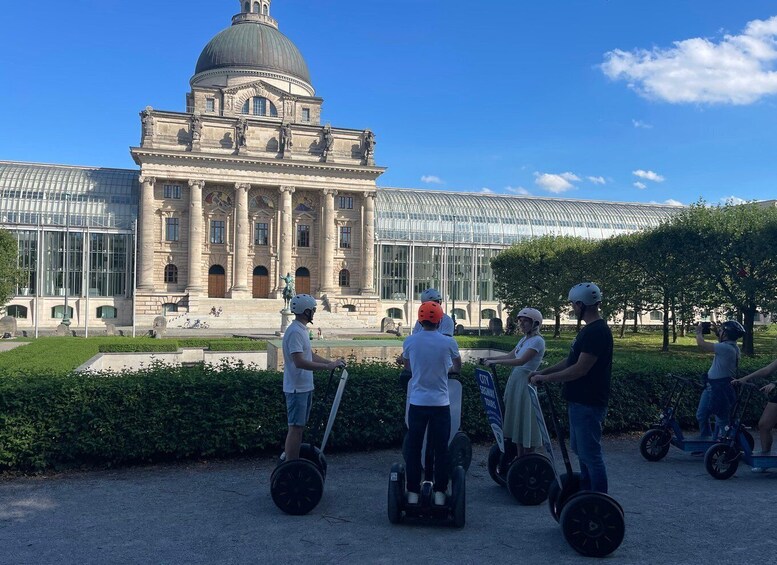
[460,452]
[655,444]
[529,479]
[459,497]
[494,455]
[593,524]
[296,486]
[315,456]
[721,461]
[396,493]
[557,496]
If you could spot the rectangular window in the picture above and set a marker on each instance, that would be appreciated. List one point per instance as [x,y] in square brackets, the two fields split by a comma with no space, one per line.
[217,232]
[345,237]
[261,234]
[346,202]
[210,104]
[303,235]
[306,115]
[173,191]
[171,229]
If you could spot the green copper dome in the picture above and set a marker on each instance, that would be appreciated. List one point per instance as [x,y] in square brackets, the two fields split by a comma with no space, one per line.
[252,45]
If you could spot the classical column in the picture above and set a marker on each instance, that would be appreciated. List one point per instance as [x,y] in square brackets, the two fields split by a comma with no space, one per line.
[285,235]
[147,230]
[328,241]
[195,236]
[368,239]
[240,275]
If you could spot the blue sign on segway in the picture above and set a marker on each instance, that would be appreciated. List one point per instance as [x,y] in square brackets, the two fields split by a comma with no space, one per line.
[490,400]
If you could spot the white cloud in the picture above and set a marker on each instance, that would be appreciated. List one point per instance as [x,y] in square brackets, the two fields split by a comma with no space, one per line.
[673,202]
[737,69]
[597,180]
[486,190]
[556,183]
[734,200]
[648,175]
[431,179]
[518,190]
[640,185]
[639,124]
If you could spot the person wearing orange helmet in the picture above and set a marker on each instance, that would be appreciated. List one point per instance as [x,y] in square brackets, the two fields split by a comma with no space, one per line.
[429,356]
[521,432]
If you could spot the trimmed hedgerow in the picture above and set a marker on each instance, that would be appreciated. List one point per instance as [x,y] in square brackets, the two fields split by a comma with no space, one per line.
[139,347]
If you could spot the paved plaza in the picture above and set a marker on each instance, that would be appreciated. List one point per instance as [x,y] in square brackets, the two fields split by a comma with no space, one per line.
[221,512]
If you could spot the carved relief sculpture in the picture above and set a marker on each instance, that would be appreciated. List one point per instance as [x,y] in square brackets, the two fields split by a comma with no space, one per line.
[327,140]
[241,130]
[368,148]
[286,138]
[147,119]
[196,130]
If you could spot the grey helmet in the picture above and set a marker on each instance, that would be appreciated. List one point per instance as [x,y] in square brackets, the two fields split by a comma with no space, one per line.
[302,302]
[587,293]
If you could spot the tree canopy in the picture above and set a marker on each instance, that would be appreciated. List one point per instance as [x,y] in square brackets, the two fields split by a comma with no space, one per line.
[9,272]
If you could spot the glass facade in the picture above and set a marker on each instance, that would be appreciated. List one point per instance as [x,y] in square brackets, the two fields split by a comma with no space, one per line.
[108,264]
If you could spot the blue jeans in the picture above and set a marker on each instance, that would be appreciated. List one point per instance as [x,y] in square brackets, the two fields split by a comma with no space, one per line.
[585,438]
[438,419]
[703,414]
[717,399]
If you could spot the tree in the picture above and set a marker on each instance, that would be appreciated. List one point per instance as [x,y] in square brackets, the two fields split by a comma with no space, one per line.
[9,271]
[539,273]
[735,253]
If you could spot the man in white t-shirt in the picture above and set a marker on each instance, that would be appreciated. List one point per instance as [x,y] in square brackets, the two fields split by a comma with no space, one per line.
[299,362]
[429,355]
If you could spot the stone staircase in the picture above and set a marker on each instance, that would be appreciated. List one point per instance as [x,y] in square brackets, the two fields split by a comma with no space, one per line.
[256,314]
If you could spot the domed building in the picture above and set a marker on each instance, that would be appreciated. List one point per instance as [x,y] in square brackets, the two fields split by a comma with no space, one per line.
[247,190]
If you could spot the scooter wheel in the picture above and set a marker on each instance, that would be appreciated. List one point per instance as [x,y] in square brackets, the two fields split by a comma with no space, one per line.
[655,444]
[558,495]
[494,455]
[529,479]
[721,461]
[593,524]
[296,486]
[459,496]
[459,452]
[396,493]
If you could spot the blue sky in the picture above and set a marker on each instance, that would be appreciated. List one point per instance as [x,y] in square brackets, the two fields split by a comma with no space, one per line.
[628,100]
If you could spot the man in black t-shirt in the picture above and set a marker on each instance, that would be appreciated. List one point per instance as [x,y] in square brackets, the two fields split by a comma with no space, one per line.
[586,376]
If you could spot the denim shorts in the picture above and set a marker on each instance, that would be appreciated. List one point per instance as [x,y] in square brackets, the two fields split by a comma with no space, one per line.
[298,406]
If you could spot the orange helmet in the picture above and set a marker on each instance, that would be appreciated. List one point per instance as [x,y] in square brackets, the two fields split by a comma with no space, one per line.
[430,312]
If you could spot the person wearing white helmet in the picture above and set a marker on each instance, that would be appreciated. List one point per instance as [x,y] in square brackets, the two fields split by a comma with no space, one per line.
[521,432]
[299,362]
[446,324]
[586,374]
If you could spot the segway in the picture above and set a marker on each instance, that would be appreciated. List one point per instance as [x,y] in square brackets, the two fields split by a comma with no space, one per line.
[529,476]
[460,457]
[297,486]
[591,522]
[656,441]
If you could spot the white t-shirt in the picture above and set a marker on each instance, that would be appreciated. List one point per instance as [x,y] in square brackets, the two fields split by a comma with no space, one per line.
[534,342]
[296,340]
[726,361]
[431,354]
[445,327]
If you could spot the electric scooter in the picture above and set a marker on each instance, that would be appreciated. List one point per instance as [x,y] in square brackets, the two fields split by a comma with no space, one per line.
[460,457]
[529,476]
[591,522]
[722,459]
[656,441]
[297,486]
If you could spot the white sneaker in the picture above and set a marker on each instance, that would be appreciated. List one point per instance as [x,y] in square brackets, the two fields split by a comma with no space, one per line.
[439,498]
[412,497]
[758,469]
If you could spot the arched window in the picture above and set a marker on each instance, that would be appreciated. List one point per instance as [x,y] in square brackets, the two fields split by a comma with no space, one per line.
[656,316]
[488,314]
[266,10]
[248,6]
[171,274]
[17,311]
[169,307]
[256,7]
[345,277]
[259,106]
[106,312]
[349,308]
[460,314]
[395,313]
[58,312]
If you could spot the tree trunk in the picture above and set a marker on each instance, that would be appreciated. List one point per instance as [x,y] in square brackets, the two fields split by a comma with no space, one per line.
[623,324]
[557,328]
[665,343]
[747,341]
[674,322]
[635,328]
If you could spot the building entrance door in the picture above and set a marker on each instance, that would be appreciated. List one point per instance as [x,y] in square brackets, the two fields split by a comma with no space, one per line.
[261,284]
[217,282]
[302,281]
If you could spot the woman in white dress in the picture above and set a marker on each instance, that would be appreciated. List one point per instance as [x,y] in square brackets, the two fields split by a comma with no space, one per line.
[521,432]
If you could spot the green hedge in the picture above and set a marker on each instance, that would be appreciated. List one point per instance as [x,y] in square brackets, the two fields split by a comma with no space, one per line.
[139,347]
[164,413]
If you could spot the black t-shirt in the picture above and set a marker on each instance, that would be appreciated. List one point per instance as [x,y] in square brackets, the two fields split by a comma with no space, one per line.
[594,387]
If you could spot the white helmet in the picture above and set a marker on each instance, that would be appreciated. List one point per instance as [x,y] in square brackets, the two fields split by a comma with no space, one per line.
[302,302]
[431,295]
[587,293]
[533,314]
